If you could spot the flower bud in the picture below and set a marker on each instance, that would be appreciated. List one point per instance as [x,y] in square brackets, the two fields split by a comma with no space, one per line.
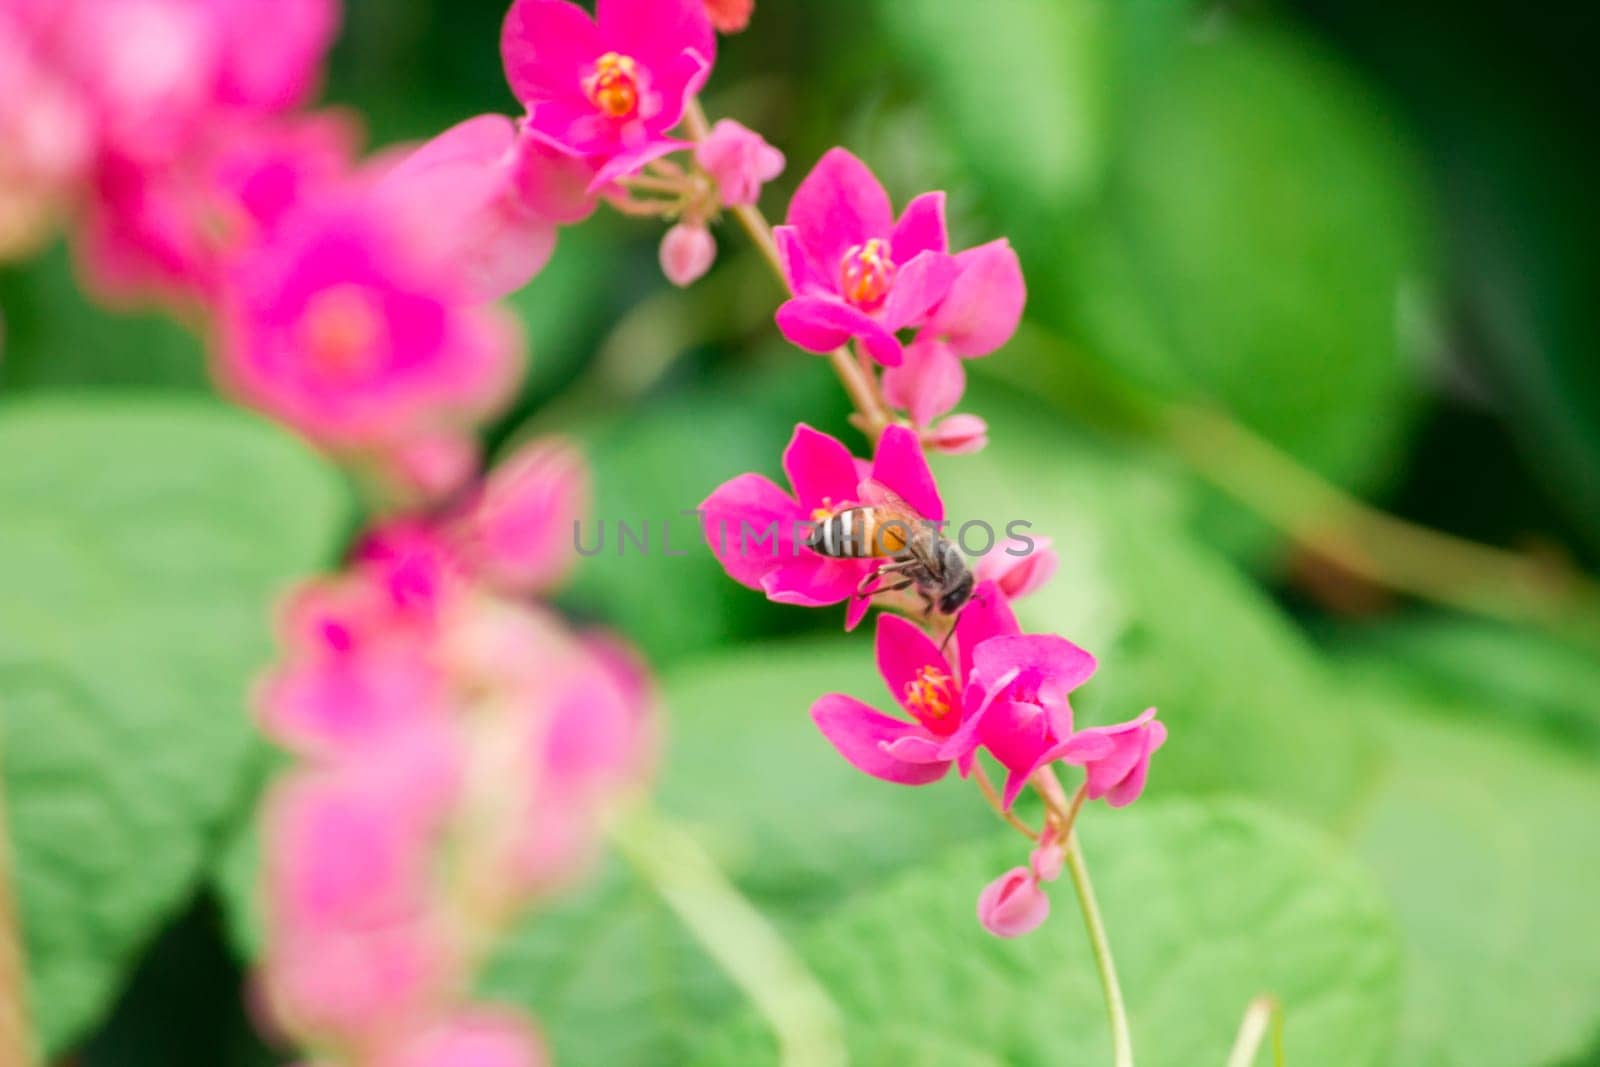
[958,435]
[687,252]
[739,160]
[1013,904]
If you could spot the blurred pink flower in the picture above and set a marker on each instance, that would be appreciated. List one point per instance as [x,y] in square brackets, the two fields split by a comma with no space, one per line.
[342,327]
[518,533]
[854,270]
[730,16]
[170,230]
[757,531]
[609,88]
[687,252]
[474,1037]
[958,435]
[1013,904]
[46,127]
[927,383]
[739,160]
[1116,759]
[490,200]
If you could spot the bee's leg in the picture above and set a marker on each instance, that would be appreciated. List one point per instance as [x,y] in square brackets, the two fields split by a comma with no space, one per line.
[864,587]
[905,583]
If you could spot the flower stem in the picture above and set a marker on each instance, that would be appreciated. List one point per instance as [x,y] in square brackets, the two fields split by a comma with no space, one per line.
[1116,1010]
[750,951]
[986,787]
[1262,1011]
[872,414]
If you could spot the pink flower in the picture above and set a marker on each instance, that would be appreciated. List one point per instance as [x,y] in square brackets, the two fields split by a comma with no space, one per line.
[1017,576]
[1019,686]
[518,534]
[927,383]
[490,199]
[171,230]
[475,1037]
[355,677]
[757,531]
[47,128]
[928,686]
[343,327]
[730,16]
[854,270]
[1116,759]
[1013,904]
[739,160]
[608,89]
[687,252]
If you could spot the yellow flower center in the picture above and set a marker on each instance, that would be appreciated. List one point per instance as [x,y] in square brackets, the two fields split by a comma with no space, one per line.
[613,87]
[865,273]
[342,328]
[930,692]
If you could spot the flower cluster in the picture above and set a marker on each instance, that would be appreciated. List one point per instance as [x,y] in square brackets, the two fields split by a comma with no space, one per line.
[457,748]
[966,677]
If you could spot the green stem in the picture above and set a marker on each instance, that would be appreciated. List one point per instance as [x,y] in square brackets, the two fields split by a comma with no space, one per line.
[1116,1010]
[750,951]
[1262,1012]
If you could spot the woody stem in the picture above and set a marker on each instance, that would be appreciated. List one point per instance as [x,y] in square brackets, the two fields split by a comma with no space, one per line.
[872,413]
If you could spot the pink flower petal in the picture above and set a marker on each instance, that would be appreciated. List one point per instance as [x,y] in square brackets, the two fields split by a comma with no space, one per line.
[838,205]
[863,736]
[959,435]
[632,160]
[804,276]
[822,324]
[1017,576]
[899,466]
[920,229]
[904,650]
[656,32]
[1058,664]
[547,47]
[987,614]
[928,383]
[814,581]
[985,302]
[737,514]
[918,286]
[820,468]
[739,160]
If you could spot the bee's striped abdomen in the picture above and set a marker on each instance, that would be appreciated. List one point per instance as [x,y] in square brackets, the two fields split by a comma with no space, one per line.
[857,533]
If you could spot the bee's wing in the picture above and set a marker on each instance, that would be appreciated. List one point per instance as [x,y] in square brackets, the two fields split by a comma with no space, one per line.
[880,496]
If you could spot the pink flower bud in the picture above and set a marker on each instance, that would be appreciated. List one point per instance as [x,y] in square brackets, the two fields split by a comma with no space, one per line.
[687,252]
[1116,759]
[1013,904]
[730,16]
[928,383]
[740,160]
[1017,576]
[958,435]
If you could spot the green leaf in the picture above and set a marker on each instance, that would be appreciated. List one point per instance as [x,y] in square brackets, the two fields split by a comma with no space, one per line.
[1483,839]
[141,545]
[1206,905]
[1250,705]
[1036,132]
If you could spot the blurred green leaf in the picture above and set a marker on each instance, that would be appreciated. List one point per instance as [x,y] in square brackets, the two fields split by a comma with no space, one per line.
[53,335]
[1207,906]
[141,545]
[1484,840]
[1024,83]
[1251,706]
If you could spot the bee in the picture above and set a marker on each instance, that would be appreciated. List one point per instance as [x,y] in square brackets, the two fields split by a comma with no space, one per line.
[914,549]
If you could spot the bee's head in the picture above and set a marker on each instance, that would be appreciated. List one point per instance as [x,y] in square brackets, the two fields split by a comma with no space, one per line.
[956,592]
